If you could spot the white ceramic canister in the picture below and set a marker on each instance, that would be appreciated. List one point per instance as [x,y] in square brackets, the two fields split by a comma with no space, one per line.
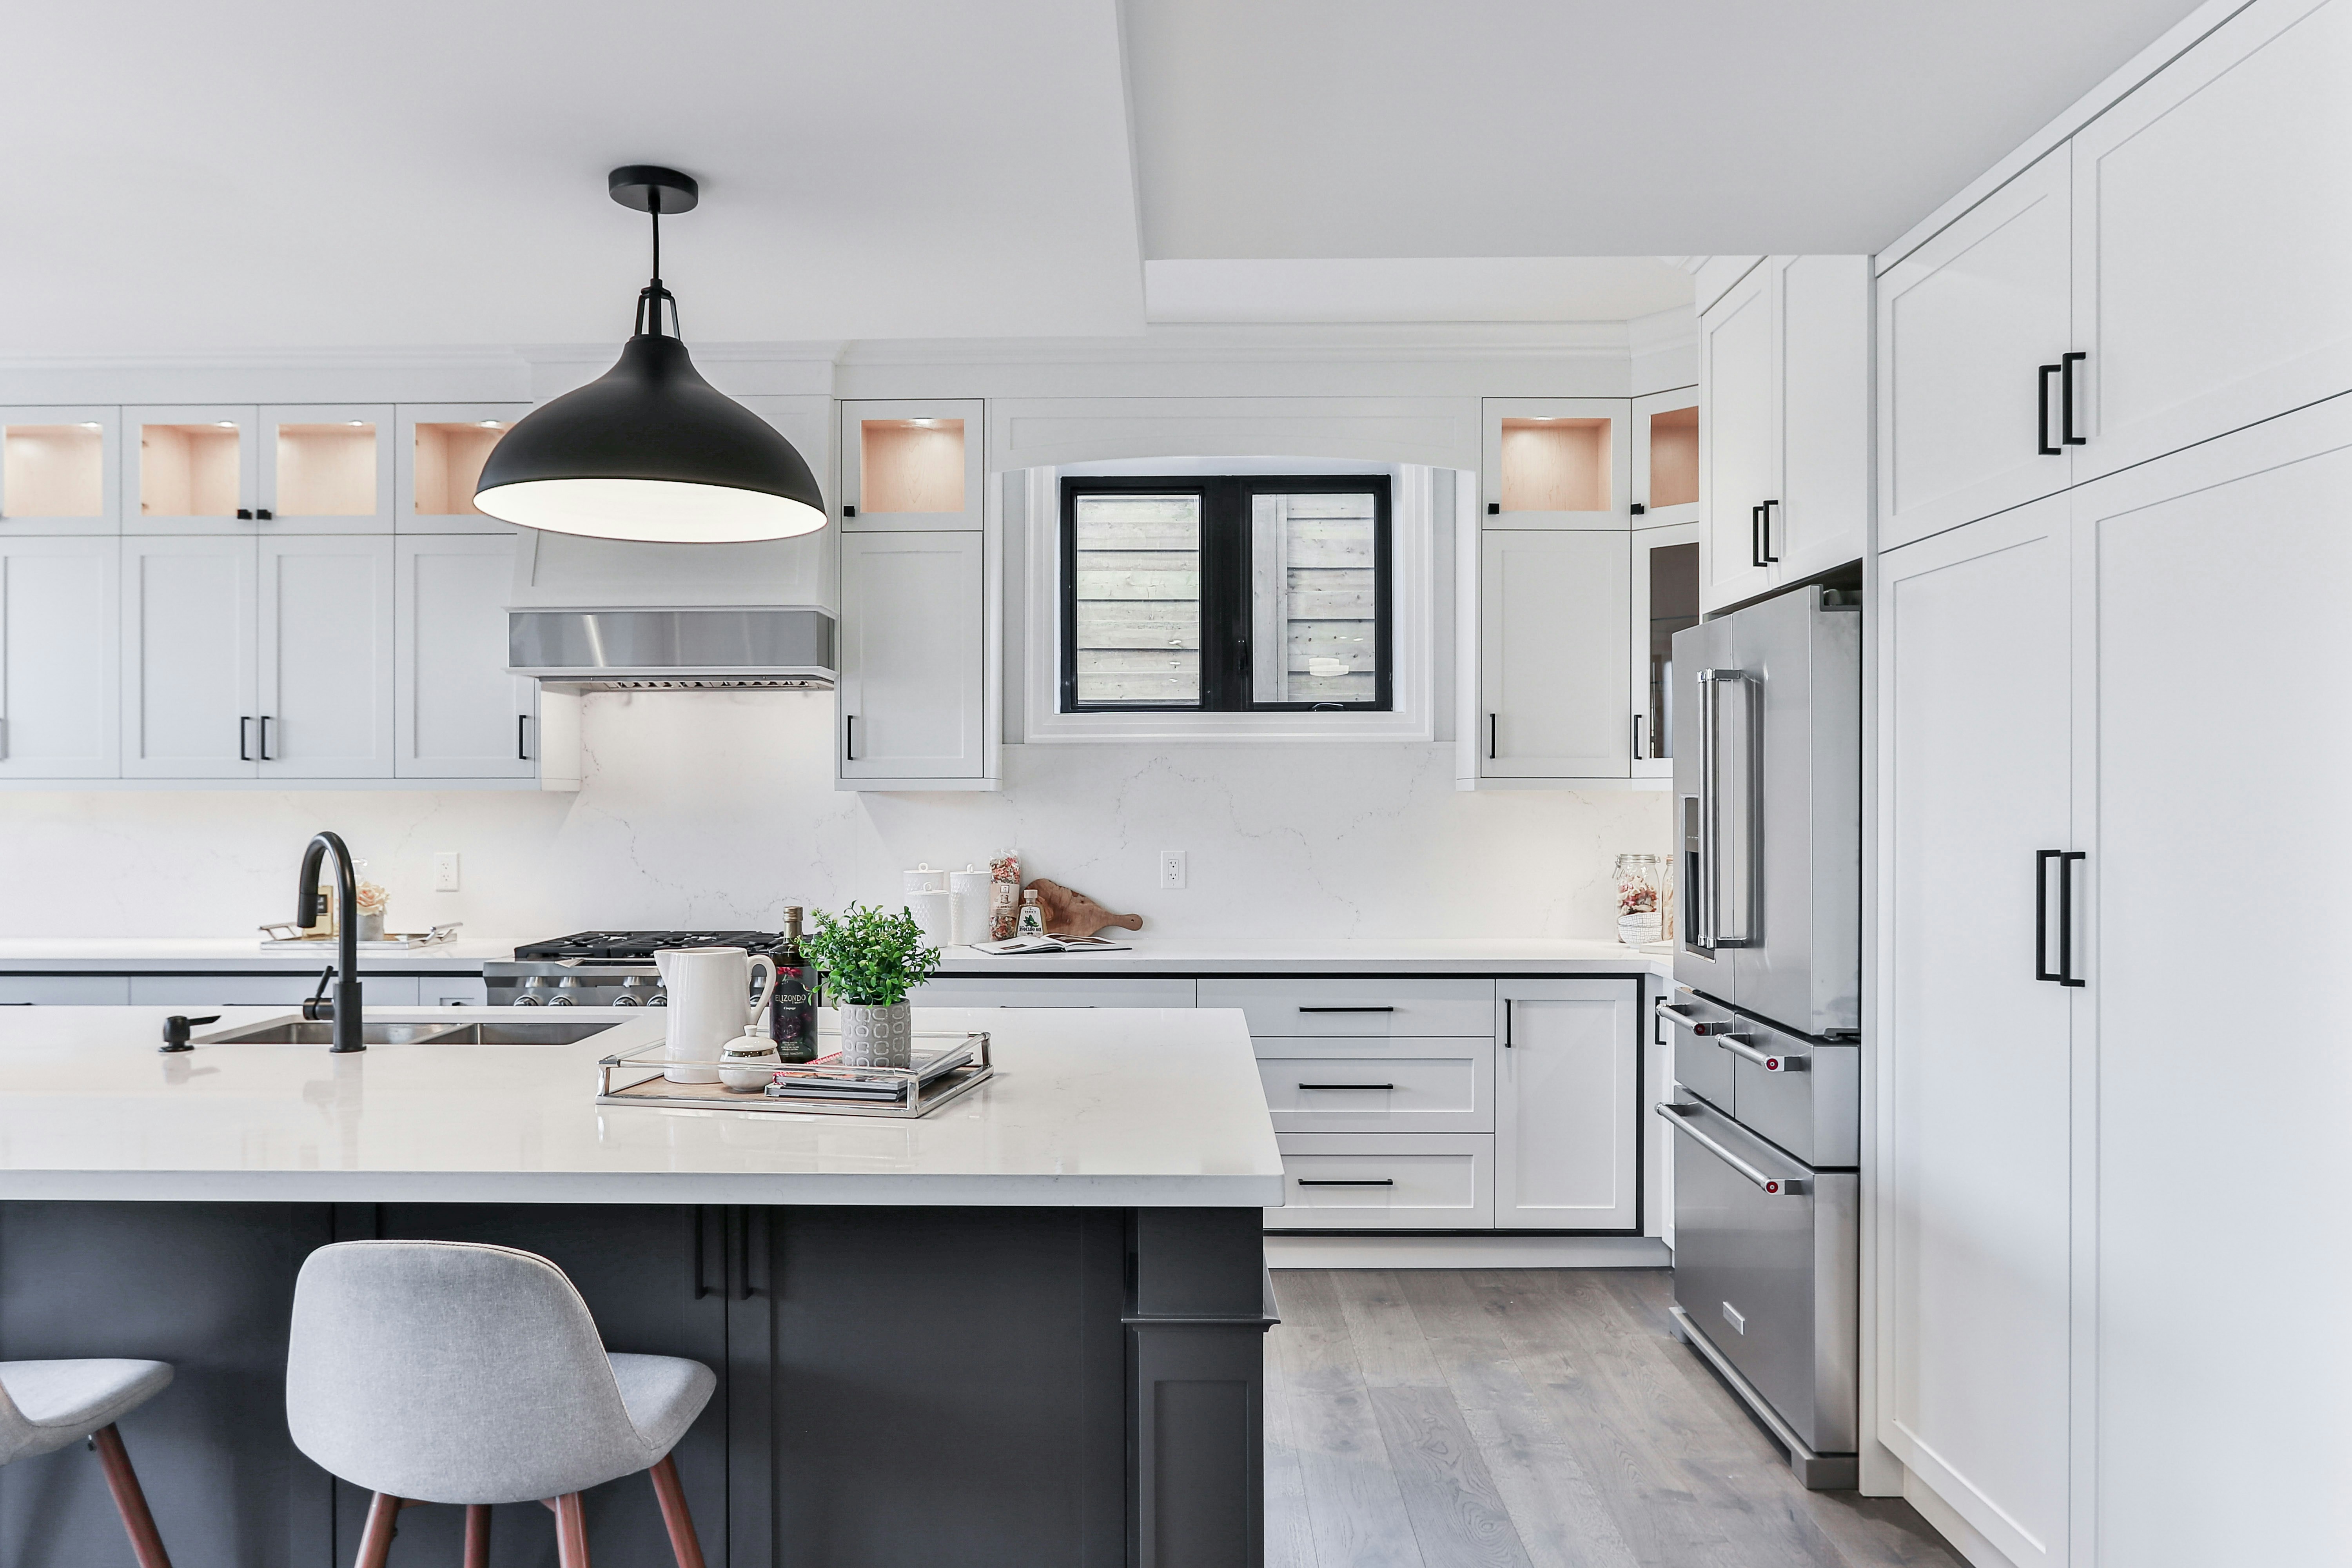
[923,879]
[969,889]
[750,1062]
[934,910]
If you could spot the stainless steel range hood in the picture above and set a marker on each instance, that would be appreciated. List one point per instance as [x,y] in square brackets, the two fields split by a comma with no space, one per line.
[697,648]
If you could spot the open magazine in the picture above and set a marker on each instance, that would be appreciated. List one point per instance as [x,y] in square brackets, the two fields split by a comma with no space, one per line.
[1012,946]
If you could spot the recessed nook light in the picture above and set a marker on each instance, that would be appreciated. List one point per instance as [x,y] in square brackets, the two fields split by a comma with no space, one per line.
[356,423]
[649,450]
[226,424]
[489,424]
[92,425]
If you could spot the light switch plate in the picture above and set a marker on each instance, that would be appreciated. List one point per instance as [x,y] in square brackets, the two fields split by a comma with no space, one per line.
[1172,867]
[444,872]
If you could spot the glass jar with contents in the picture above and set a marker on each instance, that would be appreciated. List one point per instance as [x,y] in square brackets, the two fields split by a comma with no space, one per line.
[1641,898]
[1032,915]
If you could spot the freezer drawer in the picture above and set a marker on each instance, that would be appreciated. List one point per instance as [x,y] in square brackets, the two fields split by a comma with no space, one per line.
[1690,1023]
[1801,1094]
[1767,1264]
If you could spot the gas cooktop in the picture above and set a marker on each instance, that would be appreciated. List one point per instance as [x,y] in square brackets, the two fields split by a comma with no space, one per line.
[639,946]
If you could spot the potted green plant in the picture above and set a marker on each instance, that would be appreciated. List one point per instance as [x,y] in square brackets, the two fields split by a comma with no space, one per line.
[871,959]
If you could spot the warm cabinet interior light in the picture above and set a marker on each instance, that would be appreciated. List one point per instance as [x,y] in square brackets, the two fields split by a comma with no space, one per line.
[649,450]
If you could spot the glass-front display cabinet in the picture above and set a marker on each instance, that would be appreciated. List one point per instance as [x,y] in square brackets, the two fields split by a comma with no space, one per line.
[1665,458]
[441,447]
[58,470]
[1556,462]
[910,466]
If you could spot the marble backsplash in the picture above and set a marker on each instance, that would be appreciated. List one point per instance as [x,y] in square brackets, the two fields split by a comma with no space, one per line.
[715,809]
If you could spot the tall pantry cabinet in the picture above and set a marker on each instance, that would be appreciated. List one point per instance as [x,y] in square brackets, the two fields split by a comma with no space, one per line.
[2110,723]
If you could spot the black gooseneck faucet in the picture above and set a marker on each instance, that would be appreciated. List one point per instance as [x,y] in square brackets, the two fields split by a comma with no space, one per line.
[345,1008]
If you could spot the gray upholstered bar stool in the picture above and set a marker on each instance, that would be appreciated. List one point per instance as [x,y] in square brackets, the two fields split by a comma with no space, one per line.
[443,1372]
[47,1405]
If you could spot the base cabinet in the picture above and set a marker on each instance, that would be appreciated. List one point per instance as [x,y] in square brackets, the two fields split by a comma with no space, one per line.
[1568,1122]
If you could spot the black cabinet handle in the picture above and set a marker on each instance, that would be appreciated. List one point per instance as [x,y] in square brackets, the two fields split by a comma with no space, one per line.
[1347,1086]
[703,1219]
[1490,737]
[2041,422]
[262,512]
[265,739]
[245,513]
[1755,536]
[1769,559]
[2066,436]
[1637,737]
[1493,508]
[848,510]
[742,1220]
[849,737]
[244,742]
[521,721]
[1346,1009]
[1372,1182]
[1506,1022]
[2066,975]
[2042,858]
[1638,510]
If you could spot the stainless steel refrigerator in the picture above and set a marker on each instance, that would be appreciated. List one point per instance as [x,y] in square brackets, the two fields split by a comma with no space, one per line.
[1767,1012]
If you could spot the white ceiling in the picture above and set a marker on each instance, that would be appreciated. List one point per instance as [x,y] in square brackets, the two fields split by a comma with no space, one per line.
[1366,128]
[1439,288]
[265,174]
[257,176]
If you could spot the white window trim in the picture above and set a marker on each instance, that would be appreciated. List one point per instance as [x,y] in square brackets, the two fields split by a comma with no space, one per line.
[1414,629]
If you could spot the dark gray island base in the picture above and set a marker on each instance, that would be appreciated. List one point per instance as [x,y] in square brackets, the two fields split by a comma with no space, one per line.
[1035,1387]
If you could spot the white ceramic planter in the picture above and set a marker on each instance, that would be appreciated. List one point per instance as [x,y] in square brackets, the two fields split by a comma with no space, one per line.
[877,1037]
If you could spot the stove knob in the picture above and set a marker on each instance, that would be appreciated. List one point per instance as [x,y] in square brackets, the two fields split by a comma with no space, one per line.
[567,993]
[529,995]
[658,999]
[632,993]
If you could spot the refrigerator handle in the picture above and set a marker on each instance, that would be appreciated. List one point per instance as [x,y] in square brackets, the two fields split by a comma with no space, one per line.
[1710,812]
[1769,1184]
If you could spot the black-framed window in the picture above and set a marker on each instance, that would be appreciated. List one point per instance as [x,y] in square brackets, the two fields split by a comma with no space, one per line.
[1226,594]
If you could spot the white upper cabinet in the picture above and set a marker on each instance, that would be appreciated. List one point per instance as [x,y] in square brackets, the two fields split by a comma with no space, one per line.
[913,705]
[911,465]
[190,617]
[326,469]
[60,470]
[1553,677]
[1558,462]
[1664,439]
[438,449]
[1737,469]
[191,468]
[1973,328]
[326,645]
[1566,1059]
[1821,505]
[2212,235]
[59,659]
[459,714]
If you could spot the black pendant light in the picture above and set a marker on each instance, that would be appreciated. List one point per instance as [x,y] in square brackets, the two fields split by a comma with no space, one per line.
[649,450]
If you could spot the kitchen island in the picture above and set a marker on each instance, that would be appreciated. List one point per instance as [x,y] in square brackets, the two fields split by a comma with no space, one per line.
[1023,1330]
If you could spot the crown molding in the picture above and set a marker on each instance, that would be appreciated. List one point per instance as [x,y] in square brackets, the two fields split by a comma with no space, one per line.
[1662,329]
[1209,342]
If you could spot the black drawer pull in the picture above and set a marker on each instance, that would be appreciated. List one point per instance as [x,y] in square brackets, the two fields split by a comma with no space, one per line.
[1347,1086]
[1346,1009]
[1372,1182]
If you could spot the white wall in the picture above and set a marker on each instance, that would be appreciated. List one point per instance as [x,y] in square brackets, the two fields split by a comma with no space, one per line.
[712,809]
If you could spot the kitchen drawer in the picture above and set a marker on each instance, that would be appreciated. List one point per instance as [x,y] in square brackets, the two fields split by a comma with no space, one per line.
[1771,1279]
[1050,991]
[1376,1007]
[64,990]
[261,990]
[1689,1022]
[1442,1084]
[1428,1181]
[1803,1096]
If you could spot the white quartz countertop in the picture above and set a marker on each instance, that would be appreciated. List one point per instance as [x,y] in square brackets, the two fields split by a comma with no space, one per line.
[1363,955]
[199,954]
[1088,1107]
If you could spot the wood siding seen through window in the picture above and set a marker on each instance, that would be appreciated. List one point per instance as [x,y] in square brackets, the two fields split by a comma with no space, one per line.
[1312,610]
[1136,606]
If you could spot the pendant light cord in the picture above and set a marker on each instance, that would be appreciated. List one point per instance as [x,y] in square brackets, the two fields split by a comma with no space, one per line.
[649,298]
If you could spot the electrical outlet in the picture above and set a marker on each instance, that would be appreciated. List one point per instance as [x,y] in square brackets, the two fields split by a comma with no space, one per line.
[444,872]
[1172,867]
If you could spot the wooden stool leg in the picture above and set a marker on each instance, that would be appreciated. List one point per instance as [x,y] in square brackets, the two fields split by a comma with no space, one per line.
[571,1531]
[477,1535]
[131,1502]
[376,1540]
[682,1542]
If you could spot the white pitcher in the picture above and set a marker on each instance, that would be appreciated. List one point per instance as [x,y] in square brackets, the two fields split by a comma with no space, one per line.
[710,1004]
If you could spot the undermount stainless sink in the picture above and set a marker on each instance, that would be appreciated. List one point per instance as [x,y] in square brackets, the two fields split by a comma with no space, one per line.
[412,1032]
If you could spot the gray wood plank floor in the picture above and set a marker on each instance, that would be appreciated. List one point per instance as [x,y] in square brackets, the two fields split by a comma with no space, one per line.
[1531,1418]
